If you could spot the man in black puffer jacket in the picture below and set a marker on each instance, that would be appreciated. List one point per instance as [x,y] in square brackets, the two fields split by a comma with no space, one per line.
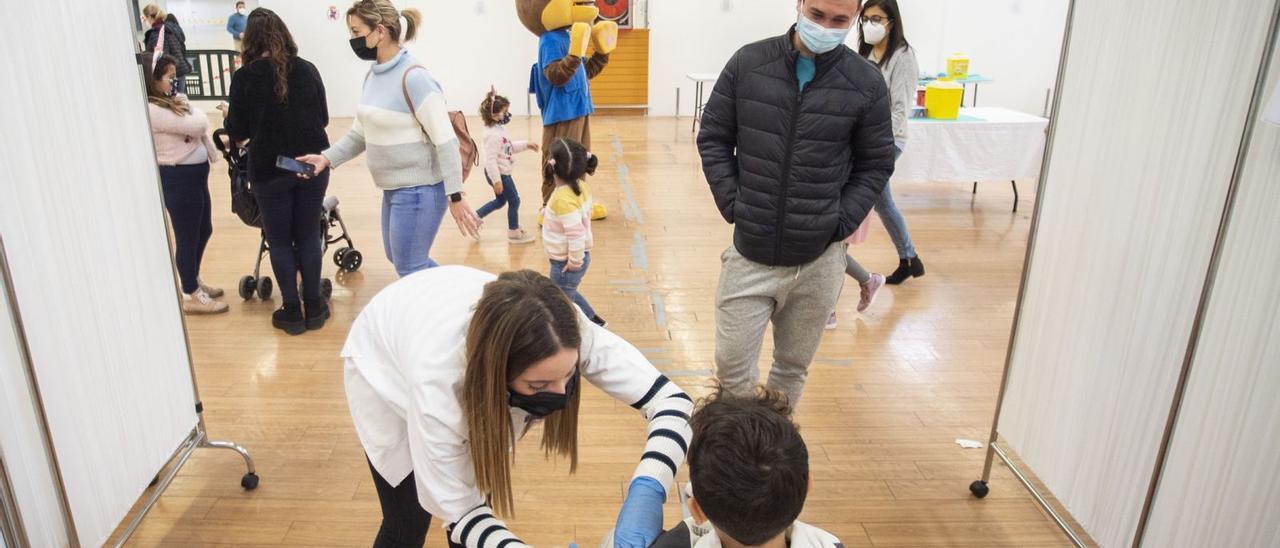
[796,144]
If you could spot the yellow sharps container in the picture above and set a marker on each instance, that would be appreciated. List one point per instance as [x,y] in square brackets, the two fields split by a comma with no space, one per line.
[942,100]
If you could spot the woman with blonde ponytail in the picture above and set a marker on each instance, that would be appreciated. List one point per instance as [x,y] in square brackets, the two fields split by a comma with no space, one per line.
[402,121]
[447,369]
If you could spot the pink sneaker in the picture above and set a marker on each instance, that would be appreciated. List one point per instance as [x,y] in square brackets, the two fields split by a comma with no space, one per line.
[869,291]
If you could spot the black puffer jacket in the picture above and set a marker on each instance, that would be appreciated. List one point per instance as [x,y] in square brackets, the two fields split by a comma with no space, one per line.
[175,45]
[795,172]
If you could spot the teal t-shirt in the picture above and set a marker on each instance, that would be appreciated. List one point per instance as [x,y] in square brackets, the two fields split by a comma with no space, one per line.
[805,69]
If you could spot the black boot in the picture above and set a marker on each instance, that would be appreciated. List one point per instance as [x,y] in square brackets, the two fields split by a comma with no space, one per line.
[599,321]
[289,319]
[317,312]
[917,267]
[901,274]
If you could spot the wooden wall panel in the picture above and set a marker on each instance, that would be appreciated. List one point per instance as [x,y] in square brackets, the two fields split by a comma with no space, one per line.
[625,83]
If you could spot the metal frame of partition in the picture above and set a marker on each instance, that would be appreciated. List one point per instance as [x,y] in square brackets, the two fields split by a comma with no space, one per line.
[980,488]
[11,531]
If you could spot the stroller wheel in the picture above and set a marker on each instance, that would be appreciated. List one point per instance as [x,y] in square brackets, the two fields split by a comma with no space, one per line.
[326,289]
[337,256]
[351,260]
[264,288]
[248,285]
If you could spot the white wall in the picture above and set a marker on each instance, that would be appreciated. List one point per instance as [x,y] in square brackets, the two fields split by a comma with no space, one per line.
[470,44]
[467,44]
[1017,42]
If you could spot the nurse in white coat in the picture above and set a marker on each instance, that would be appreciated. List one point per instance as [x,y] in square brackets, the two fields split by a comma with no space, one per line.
[447,368]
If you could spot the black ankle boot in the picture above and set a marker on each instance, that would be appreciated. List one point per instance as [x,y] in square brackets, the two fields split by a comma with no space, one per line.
[289,319]
[917,267]
[317,312]
[901,274]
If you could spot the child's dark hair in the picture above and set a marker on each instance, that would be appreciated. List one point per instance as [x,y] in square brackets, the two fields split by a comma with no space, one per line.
[490,107]
[570,161]
[748,464]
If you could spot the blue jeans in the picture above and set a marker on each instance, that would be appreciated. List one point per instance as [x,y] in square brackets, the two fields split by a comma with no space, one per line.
[892,218]
[186,197]
[569,281]
[410,220]
[510,197]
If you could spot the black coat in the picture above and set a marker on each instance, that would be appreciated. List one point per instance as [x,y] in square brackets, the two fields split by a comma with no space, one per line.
[175,45]
[795,171]
[291,128]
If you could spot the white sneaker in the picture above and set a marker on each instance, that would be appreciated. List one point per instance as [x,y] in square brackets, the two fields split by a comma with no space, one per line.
[519,236]
[831,322]
[200,302]
[214,292]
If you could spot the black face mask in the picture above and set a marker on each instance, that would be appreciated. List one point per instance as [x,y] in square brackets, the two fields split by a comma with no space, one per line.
[506,119]
[543,403]
[173,87]
[362,51]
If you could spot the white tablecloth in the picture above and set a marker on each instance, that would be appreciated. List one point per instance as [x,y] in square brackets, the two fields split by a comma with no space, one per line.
[1001,145]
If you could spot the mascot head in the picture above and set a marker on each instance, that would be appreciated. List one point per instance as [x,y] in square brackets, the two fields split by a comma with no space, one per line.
[541,16]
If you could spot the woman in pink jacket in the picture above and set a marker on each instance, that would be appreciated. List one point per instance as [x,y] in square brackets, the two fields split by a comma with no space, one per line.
[184,152]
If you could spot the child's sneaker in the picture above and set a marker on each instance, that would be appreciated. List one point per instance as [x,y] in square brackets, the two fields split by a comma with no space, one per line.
[200,302]
[831,322]
[869,291]
[519,236]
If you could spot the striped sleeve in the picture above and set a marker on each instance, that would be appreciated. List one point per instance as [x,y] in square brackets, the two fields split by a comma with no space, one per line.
[433,113]
[618,368]
[480,529]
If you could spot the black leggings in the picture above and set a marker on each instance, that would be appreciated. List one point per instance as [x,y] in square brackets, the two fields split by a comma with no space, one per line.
[186,197]
[404,522]
[291,211]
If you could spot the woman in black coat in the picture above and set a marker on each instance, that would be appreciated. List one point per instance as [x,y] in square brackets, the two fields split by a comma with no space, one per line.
[165,37]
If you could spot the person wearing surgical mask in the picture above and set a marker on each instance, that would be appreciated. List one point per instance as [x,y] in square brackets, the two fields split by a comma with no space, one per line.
[236,23]
[446,369]
[884,43]
[796,145]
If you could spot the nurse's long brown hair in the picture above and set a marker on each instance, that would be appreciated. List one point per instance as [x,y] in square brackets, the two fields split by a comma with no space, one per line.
[522,318]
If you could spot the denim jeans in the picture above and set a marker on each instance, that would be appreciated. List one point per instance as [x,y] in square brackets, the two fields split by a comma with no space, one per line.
[892,217]
[291,211]
[569,282]
[186,197]
[510,197]
[410,220]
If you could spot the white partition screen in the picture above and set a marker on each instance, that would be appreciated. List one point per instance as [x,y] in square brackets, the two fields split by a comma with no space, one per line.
[82,219]
[1147,130]
[1221,481]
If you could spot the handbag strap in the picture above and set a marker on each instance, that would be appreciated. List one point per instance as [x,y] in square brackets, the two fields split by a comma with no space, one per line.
[404,88]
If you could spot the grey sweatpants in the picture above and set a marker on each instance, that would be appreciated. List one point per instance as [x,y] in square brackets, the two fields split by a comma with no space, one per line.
[797,299]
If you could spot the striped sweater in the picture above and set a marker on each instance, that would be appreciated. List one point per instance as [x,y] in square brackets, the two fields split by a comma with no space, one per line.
[404,391]
[566,224]
[400,154]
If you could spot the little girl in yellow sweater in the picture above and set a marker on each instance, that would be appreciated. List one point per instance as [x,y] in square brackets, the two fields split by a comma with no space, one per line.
[566,226]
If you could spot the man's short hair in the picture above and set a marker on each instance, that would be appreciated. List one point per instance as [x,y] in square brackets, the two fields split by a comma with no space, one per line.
[748,465]
[240,3]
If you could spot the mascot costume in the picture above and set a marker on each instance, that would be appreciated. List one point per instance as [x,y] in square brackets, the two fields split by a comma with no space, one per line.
[567,32]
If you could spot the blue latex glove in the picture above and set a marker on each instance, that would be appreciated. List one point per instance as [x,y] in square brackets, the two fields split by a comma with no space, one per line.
[640,520]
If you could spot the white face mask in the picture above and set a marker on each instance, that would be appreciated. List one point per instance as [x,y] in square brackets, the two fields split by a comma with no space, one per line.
[817,38]
[873,33]
[241,11]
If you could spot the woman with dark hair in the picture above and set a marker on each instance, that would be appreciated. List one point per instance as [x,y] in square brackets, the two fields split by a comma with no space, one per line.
[184,152]
[278,104]
[448,367]
[883,41]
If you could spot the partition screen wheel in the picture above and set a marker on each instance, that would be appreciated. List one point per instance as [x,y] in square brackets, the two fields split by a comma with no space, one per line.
[249,482]
[264,288]
[979,489]
[351,260]
[248,286]
[338,255]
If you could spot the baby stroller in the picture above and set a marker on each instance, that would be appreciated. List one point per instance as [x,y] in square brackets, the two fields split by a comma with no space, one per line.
[347,258]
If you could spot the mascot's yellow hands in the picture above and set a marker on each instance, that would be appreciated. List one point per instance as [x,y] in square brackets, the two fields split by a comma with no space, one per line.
[604,37]
[579,39]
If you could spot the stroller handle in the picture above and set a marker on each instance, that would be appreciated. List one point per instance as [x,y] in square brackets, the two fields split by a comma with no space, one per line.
[218,134]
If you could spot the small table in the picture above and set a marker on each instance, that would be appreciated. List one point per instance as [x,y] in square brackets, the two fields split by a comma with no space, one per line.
[700,80]
[984,144]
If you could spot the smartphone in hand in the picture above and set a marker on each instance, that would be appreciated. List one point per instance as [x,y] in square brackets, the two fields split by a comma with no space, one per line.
[289,164]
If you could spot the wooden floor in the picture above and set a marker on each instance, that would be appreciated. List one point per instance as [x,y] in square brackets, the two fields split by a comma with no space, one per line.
[889,392]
